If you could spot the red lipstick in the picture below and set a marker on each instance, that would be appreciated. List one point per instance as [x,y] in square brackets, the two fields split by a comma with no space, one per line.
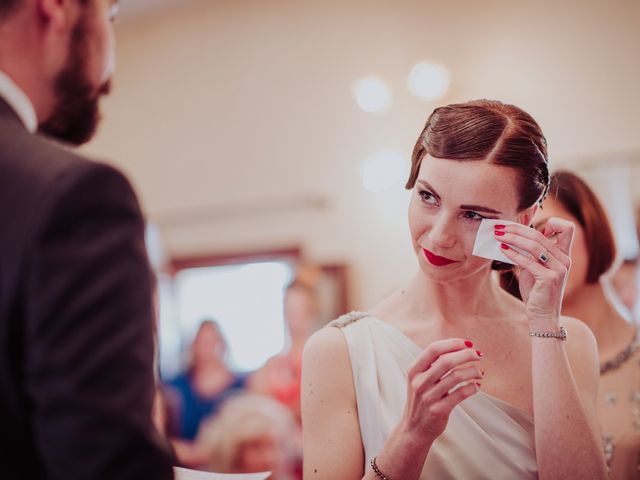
[437,260]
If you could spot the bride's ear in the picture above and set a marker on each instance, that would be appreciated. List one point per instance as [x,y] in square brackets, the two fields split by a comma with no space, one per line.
[526,216]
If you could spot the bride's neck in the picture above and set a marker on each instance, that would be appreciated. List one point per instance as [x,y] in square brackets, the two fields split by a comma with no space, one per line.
[456,303]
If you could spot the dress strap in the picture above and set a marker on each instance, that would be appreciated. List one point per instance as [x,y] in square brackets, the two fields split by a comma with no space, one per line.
[347,319]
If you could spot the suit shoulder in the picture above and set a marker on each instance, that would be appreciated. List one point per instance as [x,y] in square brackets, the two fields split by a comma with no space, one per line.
[36,164]
[33,166]
[38,176]
[32,158]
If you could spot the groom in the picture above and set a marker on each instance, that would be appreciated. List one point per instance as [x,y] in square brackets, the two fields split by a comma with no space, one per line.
[76,325]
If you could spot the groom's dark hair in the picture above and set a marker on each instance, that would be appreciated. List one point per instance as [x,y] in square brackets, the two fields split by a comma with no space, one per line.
[7,7]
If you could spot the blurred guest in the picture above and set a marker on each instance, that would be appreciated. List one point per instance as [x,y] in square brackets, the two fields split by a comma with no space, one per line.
[199,391]
[208,381]
[251,433]
[76,327]
[592,255]
[280,377]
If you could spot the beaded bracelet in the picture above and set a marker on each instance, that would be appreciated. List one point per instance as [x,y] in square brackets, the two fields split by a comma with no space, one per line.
[377,471]
[562,334]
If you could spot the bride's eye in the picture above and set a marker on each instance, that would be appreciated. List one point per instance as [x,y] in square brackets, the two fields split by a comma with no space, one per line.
[427,197]
[473,215]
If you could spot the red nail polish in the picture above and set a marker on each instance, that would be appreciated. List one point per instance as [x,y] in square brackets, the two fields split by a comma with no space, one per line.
[504,246]
[468,343]
[478,385]
[498,226]
[498,233]
[479,353]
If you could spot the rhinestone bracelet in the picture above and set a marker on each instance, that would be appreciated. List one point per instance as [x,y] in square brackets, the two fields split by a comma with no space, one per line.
[562,334]
[377,471]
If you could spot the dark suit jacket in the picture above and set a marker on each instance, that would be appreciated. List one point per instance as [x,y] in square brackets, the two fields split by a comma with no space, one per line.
[76,328]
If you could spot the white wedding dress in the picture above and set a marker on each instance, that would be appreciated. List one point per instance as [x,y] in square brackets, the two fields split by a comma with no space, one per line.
[485,437]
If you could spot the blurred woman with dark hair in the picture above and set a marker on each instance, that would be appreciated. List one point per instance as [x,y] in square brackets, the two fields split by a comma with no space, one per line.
[199,392]
[592,255]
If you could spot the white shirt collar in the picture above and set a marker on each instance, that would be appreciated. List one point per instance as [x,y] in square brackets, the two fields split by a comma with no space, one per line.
[19,101]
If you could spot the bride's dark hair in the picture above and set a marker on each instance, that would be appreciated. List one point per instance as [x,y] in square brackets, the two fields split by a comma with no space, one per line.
[492,131]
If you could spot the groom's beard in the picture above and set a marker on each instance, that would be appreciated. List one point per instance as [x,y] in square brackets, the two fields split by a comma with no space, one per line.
[76,111]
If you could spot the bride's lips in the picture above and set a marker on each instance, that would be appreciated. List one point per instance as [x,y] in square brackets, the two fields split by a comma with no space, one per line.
[437,260]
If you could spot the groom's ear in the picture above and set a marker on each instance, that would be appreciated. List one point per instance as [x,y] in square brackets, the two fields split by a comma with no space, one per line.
[526,216]
[58,15]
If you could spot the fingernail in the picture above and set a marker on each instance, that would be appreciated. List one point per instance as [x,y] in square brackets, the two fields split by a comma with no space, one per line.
[498,233]
[479,353]
[498,226]
[478,385]
[504,246]
[468,343]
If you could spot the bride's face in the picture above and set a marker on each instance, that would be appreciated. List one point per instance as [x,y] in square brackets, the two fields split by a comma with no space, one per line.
[447,204]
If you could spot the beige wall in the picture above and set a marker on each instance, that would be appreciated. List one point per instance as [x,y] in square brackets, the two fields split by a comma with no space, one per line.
[245,106]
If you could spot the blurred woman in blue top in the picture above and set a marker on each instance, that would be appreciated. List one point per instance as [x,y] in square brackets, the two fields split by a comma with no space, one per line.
[205,385]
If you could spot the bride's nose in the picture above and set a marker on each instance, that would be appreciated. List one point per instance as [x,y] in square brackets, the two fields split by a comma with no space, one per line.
[442,232]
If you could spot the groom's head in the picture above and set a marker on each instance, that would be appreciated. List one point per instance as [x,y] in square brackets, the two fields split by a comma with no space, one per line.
[61,53]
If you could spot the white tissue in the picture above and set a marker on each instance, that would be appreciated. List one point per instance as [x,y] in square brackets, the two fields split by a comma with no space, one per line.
[487,246]
[187,474]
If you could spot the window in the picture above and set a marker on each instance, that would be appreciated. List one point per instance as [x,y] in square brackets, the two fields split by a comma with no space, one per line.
[245,300]
[243,293]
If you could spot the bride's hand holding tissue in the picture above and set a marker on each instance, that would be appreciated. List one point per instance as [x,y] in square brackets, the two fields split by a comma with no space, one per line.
[543,259]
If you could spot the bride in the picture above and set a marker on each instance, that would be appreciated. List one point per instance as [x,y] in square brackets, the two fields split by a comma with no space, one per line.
[450,377]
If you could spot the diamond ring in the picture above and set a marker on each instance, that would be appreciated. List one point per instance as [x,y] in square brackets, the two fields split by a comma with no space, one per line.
[543,257]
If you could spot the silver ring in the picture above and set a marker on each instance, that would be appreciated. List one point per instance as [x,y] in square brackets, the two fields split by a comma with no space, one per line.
[543,257]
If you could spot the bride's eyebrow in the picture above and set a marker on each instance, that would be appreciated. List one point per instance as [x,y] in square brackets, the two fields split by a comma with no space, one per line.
[477,208]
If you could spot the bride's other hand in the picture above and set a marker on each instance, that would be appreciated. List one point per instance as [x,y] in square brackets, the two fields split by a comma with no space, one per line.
[438,380]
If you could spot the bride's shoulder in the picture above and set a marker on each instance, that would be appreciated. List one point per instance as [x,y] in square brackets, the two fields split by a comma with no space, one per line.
[578,330]
[581,346]
[330,342]
[348,319]
[326,361]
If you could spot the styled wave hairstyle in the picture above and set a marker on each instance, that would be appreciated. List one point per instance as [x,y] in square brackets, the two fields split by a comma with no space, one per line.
[492,131]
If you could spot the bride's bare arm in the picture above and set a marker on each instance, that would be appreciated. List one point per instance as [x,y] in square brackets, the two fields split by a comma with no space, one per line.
[564,374]
[331,432]
[565,391]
